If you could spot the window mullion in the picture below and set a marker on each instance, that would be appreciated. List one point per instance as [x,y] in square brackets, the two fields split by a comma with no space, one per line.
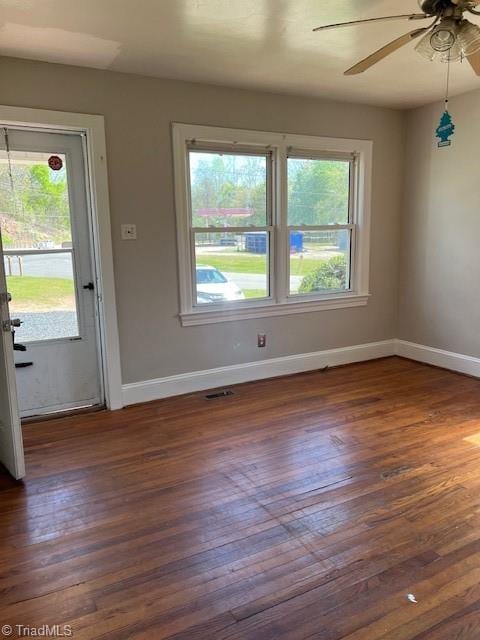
[272,243]
[352,199]
[353,270]
[282,262]
[193,270]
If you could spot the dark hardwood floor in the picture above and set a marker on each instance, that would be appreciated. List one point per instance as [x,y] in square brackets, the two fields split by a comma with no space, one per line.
[303,507]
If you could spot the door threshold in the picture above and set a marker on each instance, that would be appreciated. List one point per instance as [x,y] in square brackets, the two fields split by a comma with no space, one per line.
[63,413]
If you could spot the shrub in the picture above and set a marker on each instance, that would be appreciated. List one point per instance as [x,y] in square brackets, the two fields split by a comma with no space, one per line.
[7,240]
[332,274]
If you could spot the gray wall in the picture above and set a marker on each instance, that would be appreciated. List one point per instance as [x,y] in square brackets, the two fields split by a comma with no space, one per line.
[138,112]
[440,258]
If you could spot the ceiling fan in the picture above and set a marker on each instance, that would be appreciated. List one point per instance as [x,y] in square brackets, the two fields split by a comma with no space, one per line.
[449,38]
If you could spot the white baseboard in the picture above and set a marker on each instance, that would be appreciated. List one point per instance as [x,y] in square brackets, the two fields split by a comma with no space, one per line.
[149,390]
[438,357]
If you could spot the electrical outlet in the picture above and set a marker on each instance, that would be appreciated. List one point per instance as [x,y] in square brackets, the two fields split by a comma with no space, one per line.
[262,340]
[129,231]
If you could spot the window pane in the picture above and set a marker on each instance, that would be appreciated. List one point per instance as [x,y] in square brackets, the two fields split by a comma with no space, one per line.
[34,206]
[319,261]
[35,216]
[228,190]
[43,295]
[318,191]
[231,266]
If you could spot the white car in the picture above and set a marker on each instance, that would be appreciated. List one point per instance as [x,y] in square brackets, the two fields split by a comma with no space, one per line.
[213,286]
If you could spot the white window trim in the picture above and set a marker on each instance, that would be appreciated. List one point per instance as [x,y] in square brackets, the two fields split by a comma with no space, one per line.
[283,304]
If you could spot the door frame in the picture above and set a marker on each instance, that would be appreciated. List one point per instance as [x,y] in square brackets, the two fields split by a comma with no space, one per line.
[13,457]
[96,176]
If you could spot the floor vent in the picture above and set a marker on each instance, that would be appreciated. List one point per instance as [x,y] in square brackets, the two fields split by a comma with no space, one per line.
[218,394]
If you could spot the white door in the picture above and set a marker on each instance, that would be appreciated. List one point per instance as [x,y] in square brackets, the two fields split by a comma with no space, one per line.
[11,445]
[44,214]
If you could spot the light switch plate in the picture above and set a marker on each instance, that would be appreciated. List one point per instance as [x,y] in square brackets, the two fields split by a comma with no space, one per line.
[129,231]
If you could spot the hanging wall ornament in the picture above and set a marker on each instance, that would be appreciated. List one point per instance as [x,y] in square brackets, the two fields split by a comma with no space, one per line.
[446,128]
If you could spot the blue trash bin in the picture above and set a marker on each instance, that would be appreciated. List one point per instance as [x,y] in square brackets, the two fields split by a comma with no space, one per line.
[256,242]
[296,242]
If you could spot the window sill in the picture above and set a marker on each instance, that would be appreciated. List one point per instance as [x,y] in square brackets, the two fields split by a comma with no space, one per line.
[265,310]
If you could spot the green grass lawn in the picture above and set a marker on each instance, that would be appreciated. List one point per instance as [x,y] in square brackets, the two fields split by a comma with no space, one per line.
[40,293]
[251,263]
[255,293]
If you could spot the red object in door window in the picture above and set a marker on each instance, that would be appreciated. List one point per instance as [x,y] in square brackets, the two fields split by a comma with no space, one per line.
[55,163]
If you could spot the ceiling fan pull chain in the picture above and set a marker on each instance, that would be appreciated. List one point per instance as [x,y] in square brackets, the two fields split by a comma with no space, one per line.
[447,93]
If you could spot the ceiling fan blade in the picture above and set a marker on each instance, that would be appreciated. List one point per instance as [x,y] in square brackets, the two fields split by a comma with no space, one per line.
[474,61]
[407,16]
[385,51]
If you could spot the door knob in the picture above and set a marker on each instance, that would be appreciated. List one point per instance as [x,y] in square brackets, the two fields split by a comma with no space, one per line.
[16,322]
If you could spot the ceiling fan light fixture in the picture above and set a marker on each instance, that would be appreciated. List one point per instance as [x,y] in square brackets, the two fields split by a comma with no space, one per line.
[425,48]
[455,54]
[469,38]
[444,42]
[444,36]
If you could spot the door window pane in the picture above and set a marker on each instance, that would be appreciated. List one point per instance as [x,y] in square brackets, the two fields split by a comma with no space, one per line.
[319,261]
[231,266]
[43,295]
[37,239]
[318,192]
[228,190]
[34,206]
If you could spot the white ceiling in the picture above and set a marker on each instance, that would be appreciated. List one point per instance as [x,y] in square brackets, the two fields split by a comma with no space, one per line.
[266,44]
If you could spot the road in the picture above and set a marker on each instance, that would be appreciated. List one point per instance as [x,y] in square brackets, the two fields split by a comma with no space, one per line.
[50,265]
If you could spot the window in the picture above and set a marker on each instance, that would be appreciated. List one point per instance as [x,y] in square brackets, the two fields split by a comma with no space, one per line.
[231,224]
[320,223]
[38,253]
[269,224]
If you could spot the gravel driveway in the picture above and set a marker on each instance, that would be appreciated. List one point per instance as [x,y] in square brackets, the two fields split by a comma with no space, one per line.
[47,325]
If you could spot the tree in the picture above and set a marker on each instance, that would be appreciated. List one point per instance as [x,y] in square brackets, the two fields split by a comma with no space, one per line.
[37,207]
[318,191]
[46,198]
[228,182]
